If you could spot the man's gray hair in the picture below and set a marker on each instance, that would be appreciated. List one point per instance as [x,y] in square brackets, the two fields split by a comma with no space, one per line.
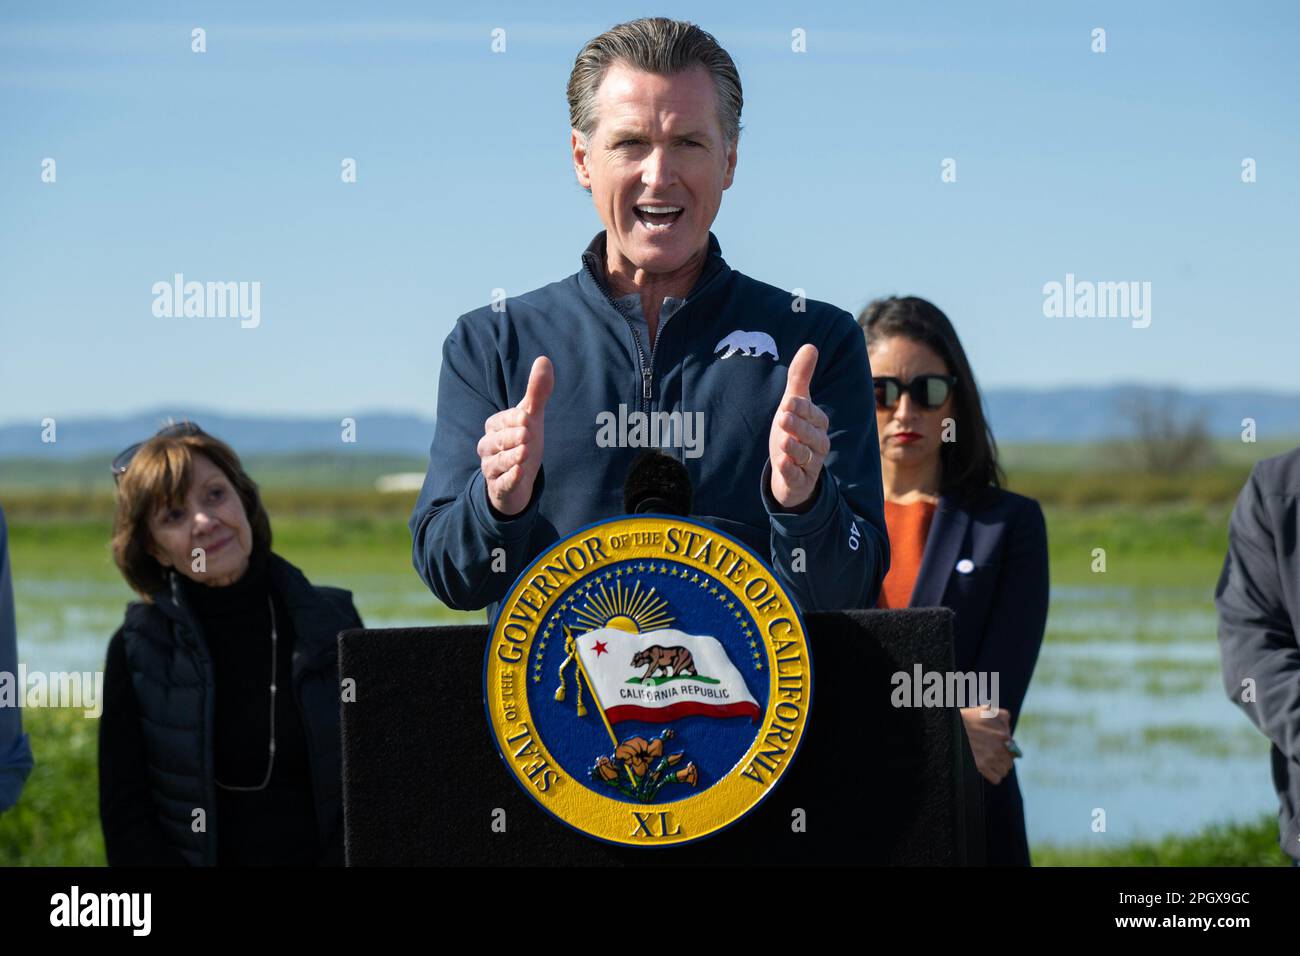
[654,45]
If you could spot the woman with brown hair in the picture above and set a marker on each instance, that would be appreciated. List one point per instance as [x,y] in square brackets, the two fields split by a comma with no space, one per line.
[219,739]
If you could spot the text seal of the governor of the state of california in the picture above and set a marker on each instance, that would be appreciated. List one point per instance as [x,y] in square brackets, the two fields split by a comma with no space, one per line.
[648,680]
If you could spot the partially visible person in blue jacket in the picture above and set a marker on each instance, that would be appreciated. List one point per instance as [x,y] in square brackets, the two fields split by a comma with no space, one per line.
[1258,601]
[654,323]
[219,741]
[15,747]
[957,538]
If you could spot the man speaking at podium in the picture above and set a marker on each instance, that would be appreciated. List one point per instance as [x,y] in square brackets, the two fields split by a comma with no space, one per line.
[545,400]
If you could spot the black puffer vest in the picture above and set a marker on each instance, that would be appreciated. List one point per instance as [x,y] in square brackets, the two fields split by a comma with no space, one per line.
[171,674]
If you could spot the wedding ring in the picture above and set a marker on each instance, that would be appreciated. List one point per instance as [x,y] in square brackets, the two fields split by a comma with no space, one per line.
[804,463]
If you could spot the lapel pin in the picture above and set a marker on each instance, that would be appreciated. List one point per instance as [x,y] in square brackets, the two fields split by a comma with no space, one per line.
[965,566]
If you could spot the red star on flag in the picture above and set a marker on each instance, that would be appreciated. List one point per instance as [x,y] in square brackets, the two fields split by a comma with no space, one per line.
[601,648]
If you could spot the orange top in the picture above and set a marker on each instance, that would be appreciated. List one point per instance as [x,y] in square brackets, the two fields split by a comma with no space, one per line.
[908,527]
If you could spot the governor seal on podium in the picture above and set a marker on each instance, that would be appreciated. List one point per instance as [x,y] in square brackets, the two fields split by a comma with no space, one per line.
[647,680]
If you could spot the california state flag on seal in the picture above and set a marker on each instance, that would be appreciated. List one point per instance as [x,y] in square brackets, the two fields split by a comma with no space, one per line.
[662,675]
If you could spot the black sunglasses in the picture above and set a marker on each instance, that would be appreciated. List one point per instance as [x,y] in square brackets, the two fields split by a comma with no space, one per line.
[123,458]
[928,391]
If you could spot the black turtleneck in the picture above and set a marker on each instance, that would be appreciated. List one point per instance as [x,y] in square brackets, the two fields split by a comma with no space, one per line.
[275,825]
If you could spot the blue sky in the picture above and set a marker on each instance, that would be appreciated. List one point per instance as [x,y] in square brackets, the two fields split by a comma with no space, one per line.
[1118,166]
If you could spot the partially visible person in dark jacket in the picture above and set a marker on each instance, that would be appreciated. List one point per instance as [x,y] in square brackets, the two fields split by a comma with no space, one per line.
[15,747]
[219,739]
[1258,600]
[956,537]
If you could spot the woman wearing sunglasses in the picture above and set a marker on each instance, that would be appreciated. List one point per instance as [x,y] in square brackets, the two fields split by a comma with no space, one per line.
[219,739]
[957,539]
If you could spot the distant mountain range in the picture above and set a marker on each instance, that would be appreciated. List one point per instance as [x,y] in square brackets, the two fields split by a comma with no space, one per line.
[1073,415]
[377,433]
[1066,415]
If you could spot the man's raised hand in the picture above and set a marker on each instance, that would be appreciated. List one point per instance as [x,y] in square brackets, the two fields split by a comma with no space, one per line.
[510,451]
[797,444]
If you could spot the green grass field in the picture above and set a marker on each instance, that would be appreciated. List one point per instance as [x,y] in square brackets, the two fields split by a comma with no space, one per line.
[56,821]
[1245,844]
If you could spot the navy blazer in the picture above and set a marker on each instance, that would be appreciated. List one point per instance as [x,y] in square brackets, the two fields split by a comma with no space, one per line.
[989,565]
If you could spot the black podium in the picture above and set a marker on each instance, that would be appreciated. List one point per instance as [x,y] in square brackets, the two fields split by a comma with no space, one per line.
[878,784]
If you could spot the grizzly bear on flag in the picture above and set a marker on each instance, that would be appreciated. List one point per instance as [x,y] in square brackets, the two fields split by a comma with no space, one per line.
[658,658]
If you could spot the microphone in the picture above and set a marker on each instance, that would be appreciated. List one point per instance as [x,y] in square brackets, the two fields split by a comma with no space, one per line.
[657,483]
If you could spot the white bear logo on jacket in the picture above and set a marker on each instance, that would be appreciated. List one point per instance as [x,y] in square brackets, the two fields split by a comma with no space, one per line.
[752,344]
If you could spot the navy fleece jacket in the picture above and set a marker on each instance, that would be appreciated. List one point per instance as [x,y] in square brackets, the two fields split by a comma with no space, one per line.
[832,556]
